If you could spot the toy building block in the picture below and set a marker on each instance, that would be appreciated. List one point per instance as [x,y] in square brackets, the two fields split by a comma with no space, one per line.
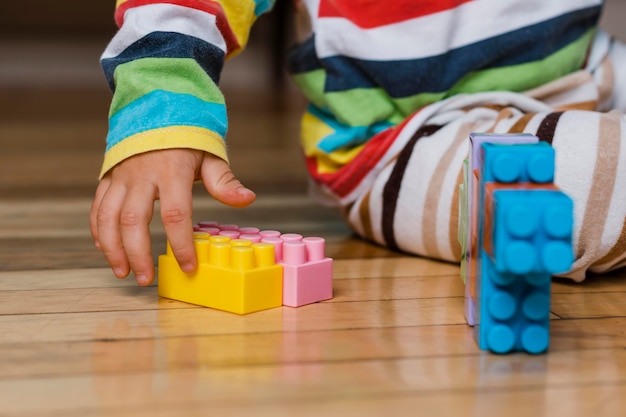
[468,210]
[527,241]
[307,272]
[523,231]
[533,163]
[237,276]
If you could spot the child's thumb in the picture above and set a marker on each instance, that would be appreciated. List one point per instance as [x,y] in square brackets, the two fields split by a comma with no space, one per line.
[221,183]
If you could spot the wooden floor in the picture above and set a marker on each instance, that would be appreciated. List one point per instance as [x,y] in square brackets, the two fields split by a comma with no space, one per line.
[75,341]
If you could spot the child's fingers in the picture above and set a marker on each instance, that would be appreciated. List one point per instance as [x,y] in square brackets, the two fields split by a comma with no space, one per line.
[135,217]
[107,221]
[95,205]
[176,208]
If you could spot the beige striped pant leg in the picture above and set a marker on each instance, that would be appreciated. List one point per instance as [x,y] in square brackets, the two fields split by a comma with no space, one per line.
[591,168]
[412,204]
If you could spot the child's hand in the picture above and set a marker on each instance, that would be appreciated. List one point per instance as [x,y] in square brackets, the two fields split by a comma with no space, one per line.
[124,202]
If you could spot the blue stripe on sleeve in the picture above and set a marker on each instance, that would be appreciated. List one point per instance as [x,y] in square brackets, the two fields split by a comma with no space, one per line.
[169,45]
[163,109]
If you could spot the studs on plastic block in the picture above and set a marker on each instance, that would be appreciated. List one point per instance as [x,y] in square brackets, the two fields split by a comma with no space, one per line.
[519,163]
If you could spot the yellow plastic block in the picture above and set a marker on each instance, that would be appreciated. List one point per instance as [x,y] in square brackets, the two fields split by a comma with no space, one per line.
[235,276]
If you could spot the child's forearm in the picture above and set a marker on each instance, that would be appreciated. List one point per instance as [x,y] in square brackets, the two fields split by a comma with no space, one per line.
[164,66]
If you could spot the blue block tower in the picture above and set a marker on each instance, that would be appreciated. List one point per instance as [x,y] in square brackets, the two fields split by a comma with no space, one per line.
[523,237]
[468,209]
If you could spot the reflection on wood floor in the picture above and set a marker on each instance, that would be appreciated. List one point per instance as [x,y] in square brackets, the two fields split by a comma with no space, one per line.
[75,341]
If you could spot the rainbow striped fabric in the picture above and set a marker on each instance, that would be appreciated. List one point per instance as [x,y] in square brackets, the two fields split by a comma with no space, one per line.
[367,66]
[370,64]
[164,67]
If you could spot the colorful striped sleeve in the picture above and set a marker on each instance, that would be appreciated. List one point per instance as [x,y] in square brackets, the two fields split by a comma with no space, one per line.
[164,65]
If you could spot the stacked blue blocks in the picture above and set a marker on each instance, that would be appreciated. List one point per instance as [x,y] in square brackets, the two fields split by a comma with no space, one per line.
[524,237]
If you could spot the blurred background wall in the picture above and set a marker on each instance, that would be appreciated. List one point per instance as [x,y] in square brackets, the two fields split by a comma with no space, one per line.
[45,42]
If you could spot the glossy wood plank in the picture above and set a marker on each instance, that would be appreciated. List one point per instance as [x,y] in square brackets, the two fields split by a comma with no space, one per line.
[201,321]
[119,347]
[314,381]
[60,279]
[106,356]
[131,297]
[581,305]
[612,281]
[127,296]
[602,401]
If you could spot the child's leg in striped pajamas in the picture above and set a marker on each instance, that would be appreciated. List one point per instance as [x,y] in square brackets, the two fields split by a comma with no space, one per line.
[411,204]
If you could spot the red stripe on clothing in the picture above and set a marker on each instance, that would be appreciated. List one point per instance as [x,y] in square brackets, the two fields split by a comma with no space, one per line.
[206,6]
[374,13]
[347,178]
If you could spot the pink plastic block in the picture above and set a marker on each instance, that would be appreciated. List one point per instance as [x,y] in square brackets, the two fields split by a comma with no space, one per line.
[307,272]
[252,237]
[249,230]
[278,247]
[208,223]
[228,227]
[269,233]
[210,230]
[291,237]
[233,234]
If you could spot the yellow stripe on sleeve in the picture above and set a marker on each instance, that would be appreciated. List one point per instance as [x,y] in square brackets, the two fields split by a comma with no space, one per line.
[187,137]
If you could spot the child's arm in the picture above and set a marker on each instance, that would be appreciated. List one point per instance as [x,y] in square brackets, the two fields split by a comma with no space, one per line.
[167,124]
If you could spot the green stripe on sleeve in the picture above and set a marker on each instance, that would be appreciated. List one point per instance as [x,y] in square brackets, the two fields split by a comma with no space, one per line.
[137,78]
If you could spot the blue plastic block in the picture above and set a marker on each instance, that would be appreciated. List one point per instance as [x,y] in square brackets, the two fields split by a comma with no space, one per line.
[514,311]
[468,212]
[534,231]
[523,162]
[531,240]
[518,235]
[518,163]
